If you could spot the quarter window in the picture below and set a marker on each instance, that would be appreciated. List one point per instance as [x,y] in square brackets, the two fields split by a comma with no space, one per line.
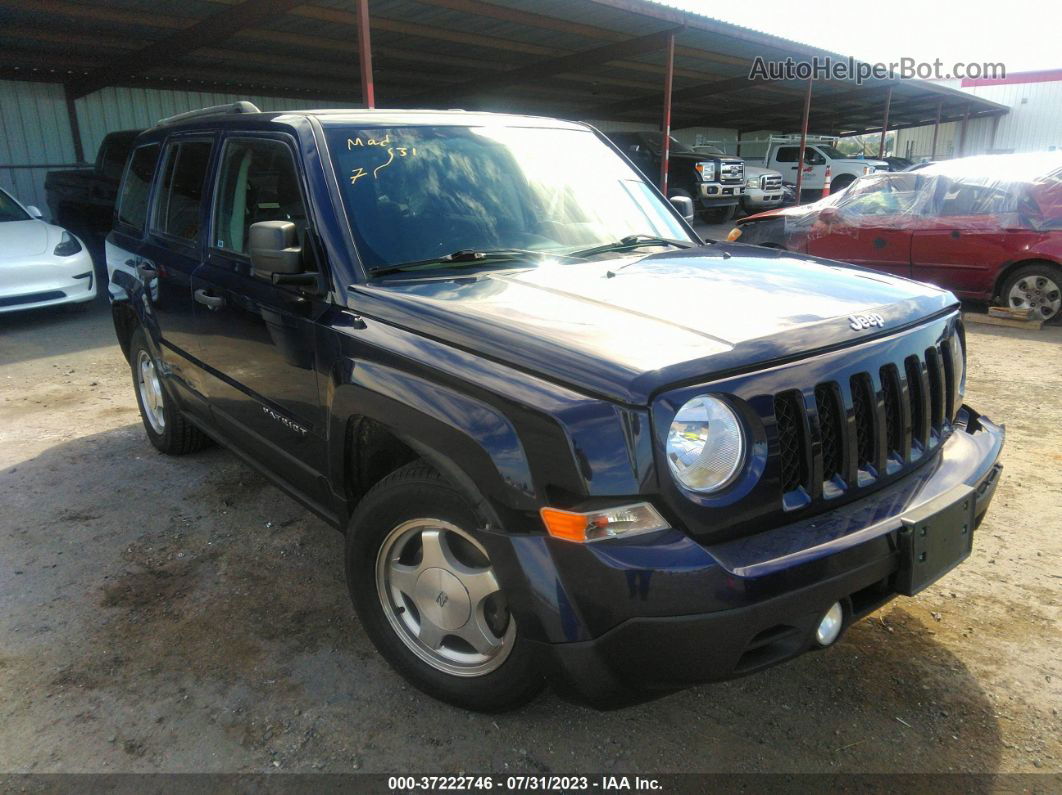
[257,182]
[181,193]
[133,199]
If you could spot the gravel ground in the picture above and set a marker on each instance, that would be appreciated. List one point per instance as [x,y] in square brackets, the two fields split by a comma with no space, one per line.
[179,614]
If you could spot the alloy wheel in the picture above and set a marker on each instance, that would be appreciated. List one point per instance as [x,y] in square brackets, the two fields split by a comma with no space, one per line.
[438,590]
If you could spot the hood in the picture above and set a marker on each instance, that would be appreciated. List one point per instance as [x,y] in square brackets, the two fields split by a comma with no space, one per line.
[23,239]
[760,171]
[864,161]
[658,320]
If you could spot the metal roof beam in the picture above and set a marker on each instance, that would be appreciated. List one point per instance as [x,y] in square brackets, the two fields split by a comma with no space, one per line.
[573,62]
[207,32]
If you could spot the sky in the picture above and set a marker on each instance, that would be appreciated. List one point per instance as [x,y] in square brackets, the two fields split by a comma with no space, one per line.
[1022,34]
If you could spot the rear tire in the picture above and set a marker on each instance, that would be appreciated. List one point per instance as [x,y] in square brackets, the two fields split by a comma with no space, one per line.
[1036,286]
[426,593]
[166,427]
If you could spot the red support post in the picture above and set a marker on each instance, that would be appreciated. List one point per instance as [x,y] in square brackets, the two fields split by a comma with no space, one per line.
[803,142]
[665,127]
[885,123]
[962,132]
[368,92]
[936,129]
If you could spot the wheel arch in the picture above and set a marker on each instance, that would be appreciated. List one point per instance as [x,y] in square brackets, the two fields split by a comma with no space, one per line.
[1007,270]
[382,419]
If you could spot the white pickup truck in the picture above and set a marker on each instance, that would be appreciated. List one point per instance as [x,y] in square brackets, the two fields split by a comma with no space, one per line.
[783,156]
[763,186]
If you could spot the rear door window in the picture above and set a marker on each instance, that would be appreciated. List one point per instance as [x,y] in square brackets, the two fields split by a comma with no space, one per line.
[133,198]
[177,211]
[787,154]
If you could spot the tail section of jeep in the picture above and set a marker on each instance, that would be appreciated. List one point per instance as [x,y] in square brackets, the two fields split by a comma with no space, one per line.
[565,440]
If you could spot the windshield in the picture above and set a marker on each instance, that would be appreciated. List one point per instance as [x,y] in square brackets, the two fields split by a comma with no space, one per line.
[10,210]
[417,193]
[835,154]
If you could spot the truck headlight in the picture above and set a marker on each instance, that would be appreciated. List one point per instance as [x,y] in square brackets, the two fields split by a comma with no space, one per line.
[752,182]
[67,246]
[705,445]
[706,170]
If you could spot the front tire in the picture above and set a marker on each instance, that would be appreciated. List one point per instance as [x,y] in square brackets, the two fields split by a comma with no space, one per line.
[428,595]
[1036,286]
[166,427]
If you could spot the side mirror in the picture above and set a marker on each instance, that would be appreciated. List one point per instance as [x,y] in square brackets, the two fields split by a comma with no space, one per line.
[829,215]
[684,204]
[273,248]
[33,211]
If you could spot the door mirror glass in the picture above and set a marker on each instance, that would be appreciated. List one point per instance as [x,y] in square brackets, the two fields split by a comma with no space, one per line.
[684,204]
[274,248]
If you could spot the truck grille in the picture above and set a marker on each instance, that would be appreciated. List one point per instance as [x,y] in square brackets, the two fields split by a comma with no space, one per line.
[771,182]
[732,172]
[875,427]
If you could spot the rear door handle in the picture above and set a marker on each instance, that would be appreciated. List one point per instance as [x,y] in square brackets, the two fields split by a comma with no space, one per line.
[146,269]
[208,300]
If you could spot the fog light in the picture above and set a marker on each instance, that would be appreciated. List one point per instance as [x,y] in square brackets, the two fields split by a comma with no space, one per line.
[830,626]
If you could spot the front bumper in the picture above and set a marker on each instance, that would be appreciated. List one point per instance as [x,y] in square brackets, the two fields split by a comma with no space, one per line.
[758,200]
[621,621]
[47,281]
[714,194]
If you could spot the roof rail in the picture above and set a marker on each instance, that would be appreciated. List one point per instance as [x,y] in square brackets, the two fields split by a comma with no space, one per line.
[243,106]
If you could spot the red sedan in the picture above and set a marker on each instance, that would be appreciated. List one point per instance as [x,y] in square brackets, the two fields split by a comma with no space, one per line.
[987,228]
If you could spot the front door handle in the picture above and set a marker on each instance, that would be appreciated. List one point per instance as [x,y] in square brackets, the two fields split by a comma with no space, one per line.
[208,300]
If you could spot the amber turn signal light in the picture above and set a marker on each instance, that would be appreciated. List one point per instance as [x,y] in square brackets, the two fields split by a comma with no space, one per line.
[584,526]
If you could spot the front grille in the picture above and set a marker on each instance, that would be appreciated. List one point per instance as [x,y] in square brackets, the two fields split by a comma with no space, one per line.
[896,429]
[863,409]
[771,182]
[831,429]
[32,298]
[792,446]
[886,421]
[732,172]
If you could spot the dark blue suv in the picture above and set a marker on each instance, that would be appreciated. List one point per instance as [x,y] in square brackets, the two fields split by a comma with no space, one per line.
[566,439]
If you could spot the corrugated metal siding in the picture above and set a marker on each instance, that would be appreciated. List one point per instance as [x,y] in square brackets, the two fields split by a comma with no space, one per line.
[33,129]
[1033,124]
[116,108]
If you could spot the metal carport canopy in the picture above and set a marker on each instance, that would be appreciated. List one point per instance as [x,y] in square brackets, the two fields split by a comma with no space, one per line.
[585,59]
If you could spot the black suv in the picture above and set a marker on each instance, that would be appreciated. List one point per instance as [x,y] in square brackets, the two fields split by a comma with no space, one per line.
[564,439]
[713,181]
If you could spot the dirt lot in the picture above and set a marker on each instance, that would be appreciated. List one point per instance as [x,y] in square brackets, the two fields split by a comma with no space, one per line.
[179,614]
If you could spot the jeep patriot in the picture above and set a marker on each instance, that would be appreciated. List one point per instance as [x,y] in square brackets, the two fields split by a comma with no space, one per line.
[567,440]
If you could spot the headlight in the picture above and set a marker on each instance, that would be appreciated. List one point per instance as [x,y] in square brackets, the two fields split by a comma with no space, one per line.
[752,182]
[706,170]
[68,246]
[705,445]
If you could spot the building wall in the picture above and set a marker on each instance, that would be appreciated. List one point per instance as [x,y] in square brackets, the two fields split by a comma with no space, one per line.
[1033,124]
[35,128]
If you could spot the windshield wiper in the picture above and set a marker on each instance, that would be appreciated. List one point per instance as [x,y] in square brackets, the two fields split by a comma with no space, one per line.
[465,257]
[632,241]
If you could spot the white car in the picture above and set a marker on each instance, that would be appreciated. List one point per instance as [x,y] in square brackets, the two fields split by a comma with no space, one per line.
[40,264]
